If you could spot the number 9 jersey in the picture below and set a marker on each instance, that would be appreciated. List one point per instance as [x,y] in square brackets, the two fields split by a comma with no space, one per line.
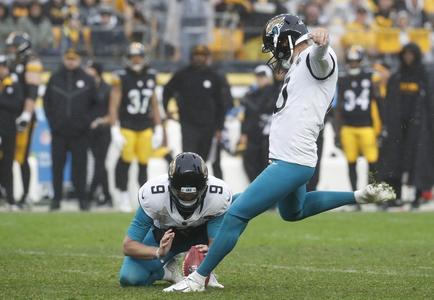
[355,93]
[155,200]
[137,89]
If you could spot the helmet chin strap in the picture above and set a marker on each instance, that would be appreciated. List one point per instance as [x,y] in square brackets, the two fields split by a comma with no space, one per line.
[188,203]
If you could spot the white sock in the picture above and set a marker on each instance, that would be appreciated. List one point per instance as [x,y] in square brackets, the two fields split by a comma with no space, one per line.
[358,195]
[124,196]
[197,277]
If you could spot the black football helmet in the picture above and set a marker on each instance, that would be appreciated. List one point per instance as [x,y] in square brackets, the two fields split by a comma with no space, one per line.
[188,178]
[280,35]
[18,43]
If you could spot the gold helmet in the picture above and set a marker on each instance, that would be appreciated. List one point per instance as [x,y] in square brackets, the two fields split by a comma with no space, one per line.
[355,53]
[136,50]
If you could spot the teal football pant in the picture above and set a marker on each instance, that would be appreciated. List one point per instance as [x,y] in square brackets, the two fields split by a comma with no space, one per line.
[141,272]
[281,183]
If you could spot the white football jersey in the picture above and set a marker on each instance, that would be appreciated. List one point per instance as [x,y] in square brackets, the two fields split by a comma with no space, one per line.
[300,111]
[154,198]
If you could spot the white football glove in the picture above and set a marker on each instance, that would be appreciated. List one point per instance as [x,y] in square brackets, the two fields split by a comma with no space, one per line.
[117,138]
[23,120]
[157,137]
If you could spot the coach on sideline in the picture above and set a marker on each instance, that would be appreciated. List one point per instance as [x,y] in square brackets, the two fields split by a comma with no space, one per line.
[70,103]
[198,90]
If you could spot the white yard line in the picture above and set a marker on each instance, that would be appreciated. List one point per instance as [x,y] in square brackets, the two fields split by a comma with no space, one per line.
[276,267]
[64,254]
[336,270]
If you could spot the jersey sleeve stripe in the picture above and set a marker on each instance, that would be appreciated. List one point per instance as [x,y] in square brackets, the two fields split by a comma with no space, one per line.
[320,78]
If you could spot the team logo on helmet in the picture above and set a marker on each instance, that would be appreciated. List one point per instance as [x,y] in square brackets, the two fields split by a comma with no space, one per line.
[273,27]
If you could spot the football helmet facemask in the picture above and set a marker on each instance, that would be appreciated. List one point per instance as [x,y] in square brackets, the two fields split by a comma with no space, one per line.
[188,178]
[280,35]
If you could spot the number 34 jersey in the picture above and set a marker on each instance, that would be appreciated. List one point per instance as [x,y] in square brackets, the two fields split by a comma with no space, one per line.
[354,99]
[154,198]
[137,90]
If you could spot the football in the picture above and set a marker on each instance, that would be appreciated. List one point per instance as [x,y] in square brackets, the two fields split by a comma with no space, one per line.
[191,262]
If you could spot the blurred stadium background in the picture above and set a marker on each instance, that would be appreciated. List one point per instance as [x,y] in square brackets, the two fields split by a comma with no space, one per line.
[101,30]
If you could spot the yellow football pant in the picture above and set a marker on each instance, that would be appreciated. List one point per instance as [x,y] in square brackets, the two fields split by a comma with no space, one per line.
[22,142]
[359,140]
[138,145]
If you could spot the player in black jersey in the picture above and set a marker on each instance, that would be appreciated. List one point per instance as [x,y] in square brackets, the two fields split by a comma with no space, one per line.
[28,71]
[134,106]
[357,113]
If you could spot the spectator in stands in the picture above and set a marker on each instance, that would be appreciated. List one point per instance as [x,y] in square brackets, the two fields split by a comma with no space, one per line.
[405,113]
[261,11]
[56,11]
[140,23]
[189,23]
[349,11]
[108,37]
[386,14]
[403,23]
[20,8]
[100,137]
[38,27]
[259,105]
[313,16]
[73,35]
[359,32]
[7,25]
[70,103]
[361,20]
[198,92]
[416,13]
[89,12]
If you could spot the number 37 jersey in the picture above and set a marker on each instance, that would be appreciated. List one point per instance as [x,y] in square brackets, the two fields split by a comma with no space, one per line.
[354,99]
[137,90]
[154,199]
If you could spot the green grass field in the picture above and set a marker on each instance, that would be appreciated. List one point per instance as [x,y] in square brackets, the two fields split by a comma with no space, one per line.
[331,256]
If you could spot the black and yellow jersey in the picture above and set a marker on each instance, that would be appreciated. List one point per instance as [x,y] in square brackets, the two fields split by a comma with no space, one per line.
[11,101]
[137,90]
[355,93]
[28,73]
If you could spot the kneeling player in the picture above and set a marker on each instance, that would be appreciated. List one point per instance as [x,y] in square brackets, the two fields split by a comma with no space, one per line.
[178,210]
